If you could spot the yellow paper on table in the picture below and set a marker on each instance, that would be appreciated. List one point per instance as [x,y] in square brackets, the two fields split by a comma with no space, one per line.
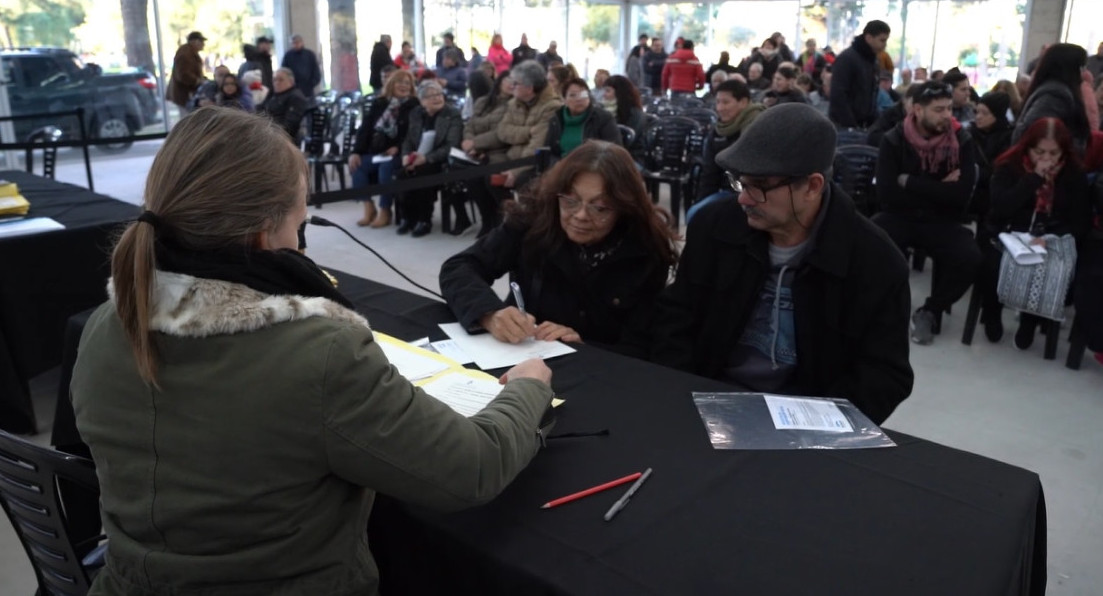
[464,390]
[8,188]
[14,205]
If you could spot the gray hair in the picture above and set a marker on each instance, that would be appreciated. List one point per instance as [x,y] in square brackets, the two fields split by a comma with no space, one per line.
[530,74]
[288,72]
[427,87]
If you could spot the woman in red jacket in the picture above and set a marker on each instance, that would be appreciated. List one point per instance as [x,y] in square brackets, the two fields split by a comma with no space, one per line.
[498,55]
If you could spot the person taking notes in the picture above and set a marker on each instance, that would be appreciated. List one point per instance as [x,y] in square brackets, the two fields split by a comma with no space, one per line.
[587,250]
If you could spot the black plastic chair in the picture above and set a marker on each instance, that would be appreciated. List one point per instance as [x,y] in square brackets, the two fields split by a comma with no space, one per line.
[855,168]
[32,481]
[314,144]
[340,138]
[627,135]
[687,102]
[703,116]
[47,136]
[667,142]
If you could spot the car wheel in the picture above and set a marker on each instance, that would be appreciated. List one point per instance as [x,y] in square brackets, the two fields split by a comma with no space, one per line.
[108,127]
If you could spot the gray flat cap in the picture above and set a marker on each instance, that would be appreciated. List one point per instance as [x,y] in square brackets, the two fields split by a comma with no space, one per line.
[792,139]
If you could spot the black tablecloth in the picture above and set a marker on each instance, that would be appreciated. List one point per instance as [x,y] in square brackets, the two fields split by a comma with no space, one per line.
[44,279]
[918,519]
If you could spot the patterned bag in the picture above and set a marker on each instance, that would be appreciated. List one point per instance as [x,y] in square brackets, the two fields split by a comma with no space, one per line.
[1039,289]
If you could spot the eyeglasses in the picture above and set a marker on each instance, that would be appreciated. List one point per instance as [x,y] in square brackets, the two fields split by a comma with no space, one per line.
[570,205]
[432,95]
[757,193]
[573,96]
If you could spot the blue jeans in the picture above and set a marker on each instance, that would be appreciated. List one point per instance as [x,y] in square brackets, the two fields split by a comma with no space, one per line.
[716,196]
[382,173]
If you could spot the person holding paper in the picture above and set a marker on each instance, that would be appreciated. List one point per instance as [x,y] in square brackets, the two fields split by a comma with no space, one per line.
[435,129]
[588,250]
[241,414]
[380,136]
[1038,187]
[788,289]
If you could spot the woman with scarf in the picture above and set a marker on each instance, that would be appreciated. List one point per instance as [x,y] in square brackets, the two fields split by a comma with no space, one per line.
[579,121]
[735,112]
[380,136]
[1038,187]
[227,361]
[498,55]
[623,100]
[589,253]
[784,88]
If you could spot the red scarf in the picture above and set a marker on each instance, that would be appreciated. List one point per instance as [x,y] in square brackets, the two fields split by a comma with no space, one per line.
[1043,197]
[937,155]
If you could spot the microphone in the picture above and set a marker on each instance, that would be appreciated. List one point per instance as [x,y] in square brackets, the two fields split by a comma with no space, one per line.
[321,221]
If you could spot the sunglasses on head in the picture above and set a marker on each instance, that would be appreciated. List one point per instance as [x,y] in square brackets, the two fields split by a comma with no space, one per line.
[938,92]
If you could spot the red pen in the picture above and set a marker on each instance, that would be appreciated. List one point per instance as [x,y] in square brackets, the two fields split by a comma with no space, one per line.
[590,491]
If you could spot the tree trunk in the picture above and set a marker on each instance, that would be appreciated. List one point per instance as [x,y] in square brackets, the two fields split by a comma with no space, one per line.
[344,69]
[136,34]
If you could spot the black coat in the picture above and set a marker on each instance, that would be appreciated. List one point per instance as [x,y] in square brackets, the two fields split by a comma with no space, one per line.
[652,64]
[521,54]
[380,57]
[989,145]
[1013,196]
[1054,99]
[926,196]
[886,121]
[287,110]
[851,295]
[308,73]
[854,86]
[448,125]
[256,60]
[712,176]
[598,303]
[599,124]
[363,144]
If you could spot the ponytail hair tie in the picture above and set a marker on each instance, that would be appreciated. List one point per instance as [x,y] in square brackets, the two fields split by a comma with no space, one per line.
[152,219]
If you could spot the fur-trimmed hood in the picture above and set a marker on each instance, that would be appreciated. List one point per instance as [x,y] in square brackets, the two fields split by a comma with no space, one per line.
[186,306]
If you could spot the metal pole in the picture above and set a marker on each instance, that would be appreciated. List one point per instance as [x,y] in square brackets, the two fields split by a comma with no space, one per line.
[84,148]
[160,64]
[567,34]
[419,30]
[934,33]
[903,61]
[7,127]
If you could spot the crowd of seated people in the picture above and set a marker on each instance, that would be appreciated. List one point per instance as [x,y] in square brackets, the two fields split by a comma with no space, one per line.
[942,148]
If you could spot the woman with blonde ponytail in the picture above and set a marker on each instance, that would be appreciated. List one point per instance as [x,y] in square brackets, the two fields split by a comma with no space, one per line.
[240,414]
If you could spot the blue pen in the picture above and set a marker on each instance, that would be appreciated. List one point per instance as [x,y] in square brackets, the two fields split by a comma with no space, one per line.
[517,296]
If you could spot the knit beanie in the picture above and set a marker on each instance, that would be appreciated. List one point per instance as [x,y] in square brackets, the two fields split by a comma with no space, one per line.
[998,103]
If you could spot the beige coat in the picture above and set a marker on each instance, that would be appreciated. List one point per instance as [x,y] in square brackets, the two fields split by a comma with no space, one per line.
[253,468]
[483,130]
[524,127]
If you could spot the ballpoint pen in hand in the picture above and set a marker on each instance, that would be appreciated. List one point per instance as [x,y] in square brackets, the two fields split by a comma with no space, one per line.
[517,296]
[623,501]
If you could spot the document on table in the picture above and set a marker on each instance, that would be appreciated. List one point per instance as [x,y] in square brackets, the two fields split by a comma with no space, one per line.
[412,362]
[490,353]
[806,414]
[465,391]
[23,227]
[449,349]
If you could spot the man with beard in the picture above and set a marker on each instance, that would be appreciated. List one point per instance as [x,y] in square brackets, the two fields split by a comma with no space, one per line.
[788,289]
[926,169]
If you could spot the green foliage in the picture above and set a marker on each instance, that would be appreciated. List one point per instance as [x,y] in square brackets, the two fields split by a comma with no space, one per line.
[601,24]
[41,22]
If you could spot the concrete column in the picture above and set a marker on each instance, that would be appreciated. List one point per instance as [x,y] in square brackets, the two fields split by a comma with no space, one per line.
[1045,24]
[302,18]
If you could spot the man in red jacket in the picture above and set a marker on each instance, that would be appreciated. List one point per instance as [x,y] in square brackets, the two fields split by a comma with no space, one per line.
[683,73]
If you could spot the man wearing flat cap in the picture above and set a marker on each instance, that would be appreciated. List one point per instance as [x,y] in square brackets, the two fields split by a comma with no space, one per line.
[187,71]
[787,289]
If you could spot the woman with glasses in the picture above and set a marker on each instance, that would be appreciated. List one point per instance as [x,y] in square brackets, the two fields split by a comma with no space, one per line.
[579,121]
[588,250]
[375,154]
[435,129]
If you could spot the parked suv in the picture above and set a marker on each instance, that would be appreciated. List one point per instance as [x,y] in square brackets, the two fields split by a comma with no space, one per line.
[54,80]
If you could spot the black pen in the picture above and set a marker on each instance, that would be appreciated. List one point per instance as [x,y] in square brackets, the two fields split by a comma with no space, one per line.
[623,501]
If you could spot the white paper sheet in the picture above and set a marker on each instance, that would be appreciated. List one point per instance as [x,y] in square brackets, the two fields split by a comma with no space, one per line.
[806,414]
[449,349]
[410,364]
[490,353]
[24,227]
[463,393]
[458,154]
[426,144]
[1022,249]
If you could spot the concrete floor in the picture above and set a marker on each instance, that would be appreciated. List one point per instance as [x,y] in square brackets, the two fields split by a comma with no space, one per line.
[986,398]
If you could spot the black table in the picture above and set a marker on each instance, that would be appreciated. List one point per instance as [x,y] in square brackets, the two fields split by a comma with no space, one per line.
[44,279]
[918,519]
